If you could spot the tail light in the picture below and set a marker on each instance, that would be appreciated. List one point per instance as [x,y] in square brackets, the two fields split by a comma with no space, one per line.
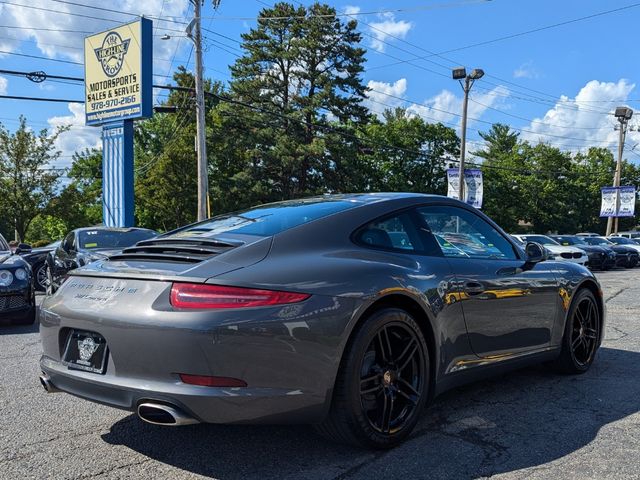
[198,295]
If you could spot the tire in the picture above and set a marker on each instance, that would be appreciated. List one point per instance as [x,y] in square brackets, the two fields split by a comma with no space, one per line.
[582,334]
[382,384]
[40,277]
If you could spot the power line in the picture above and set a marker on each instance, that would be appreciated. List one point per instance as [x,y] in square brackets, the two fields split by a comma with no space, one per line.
[40,99]
[527,32]
[530,120]
[41,57]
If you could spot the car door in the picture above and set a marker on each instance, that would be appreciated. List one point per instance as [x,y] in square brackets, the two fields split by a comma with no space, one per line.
[508,306]
[426,273]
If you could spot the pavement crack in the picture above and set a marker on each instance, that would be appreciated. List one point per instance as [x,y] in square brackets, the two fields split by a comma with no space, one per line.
[616,294]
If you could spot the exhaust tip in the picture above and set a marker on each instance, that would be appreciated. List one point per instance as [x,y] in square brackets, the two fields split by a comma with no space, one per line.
[159,414]
[45,381]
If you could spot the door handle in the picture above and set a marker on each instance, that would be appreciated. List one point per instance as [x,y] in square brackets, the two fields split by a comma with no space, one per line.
[473,288]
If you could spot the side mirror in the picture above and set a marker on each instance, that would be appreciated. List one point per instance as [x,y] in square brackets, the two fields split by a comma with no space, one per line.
[23,248]
[534,253]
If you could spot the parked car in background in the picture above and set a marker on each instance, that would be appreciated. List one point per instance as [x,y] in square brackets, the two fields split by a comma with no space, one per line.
[330,311]
[625,256]
[556,251]
[17,294]
[37,258]
[599,256]
[627,242]
[85,245]
[587,234]
[633,234]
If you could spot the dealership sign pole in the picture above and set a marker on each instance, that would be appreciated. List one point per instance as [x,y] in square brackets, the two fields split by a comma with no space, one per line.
[118,89]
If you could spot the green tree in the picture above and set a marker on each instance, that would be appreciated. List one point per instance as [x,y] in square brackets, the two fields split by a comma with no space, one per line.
[165,159]
[505,177]
[28,182]
[79,204]
[408,154]
[301,76]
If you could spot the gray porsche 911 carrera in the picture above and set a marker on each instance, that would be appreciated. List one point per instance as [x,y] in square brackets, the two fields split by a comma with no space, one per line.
[349,312]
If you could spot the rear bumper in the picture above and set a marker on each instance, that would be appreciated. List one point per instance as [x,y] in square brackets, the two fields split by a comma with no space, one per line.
[288,355]
[205,404]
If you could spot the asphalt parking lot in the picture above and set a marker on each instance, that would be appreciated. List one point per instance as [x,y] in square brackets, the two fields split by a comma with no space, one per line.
[528,424]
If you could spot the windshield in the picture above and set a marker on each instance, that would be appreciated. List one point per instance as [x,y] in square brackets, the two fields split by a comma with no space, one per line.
[568,240]
[622,241]
[542,239]
[269,219]
[99,239]
[597,241]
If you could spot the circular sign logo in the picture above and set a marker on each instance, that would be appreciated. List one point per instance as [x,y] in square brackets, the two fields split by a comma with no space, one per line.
[111,54]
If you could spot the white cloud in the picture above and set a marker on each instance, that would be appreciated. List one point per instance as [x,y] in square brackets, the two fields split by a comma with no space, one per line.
[526,70]
[387,27]
[351,10]
[78,137]
[585,118]
[69,45]
[446,107]
[3,85]
[380,92]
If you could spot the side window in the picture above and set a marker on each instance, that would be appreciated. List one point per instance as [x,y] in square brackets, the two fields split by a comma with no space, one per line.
[462,234]
[391,233]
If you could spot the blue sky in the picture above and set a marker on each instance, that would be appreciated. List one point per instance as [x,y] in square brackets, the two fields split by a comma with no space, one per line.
[557,85]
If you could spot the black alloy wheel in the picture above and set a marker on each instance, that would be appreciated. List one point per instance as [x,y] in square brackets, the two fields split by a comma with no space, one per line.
[391,378]
[383,382]
[582,334]
[584,331]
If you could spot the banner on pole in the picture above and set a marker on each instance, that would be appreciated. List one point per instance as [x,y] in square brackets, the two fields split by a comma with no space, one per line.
[473,186]
[618,201]
[609,203]
[627,201]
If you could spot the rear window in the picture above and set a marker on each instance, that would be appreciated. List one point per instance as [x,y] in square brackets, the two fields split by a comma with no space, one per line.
[269,219]
[97,239]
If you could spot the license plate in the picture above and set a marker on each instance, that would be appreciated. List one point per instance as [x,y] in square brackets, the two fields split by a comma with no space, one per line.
[85,351]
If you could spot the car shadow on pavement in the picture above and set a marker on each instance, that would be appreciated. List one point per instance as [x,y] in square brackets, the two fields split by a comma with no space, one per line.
[520,420]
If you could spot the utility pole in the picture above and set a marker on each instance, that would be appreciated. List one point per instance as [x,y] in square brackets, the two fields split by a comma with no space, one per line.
[623,115]
[460,73]
[201,144]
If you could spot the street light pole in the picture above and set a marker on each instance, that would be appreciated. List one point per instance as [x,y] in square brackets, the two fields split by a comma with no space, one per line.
[463,135]
[623,115]
[460,73]
[201,144]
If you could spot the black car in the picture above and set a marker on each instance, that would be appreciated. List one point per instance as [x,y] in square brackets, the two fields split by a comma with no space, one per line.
[626,242]
[626,257]
[600,256]
[37,258]
[85,245]
[17,294]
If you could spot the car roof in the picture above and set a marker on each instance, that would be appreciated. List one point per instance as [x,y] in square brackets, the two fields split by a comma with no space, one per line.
[364,198]
[113,229]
